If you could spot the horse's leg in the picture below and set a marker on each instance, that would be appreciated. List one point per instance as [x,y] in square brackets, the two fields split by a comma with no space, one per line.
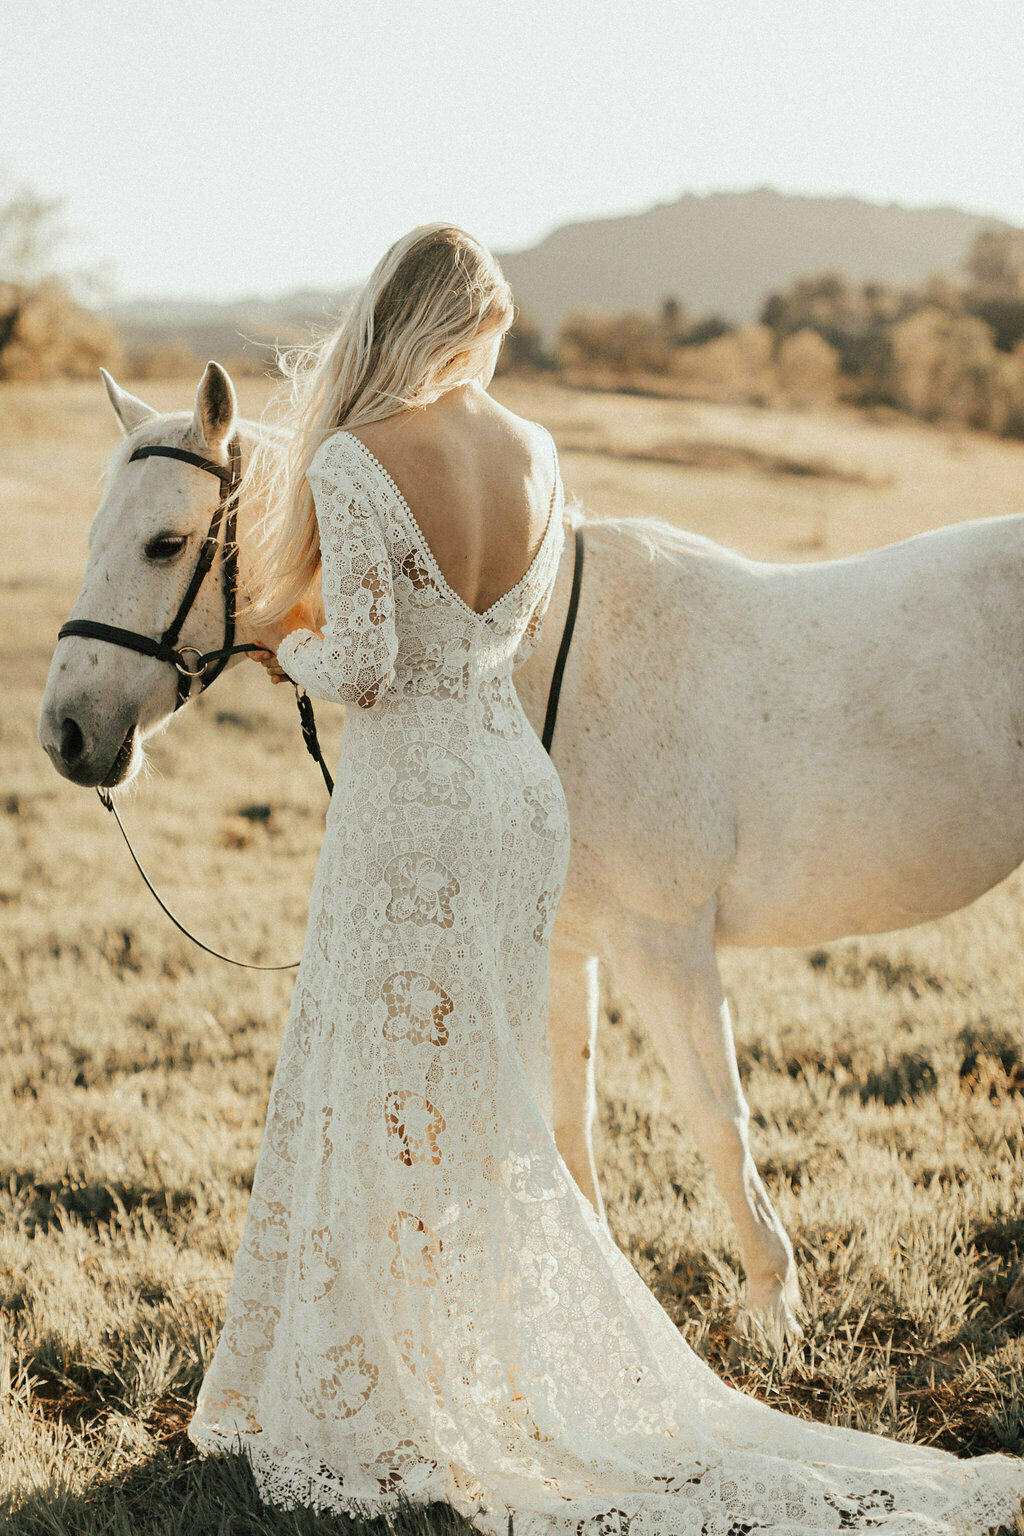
[671,974]
[572,1032]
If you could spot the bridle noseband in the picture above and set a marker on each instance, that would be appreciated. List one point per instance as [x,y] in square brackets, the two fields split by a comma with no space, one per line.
[206,666]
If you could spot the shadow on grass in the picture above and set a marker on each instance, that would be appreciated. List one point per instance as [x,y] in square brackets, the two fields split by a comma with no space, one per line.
[45,1203]
[201,1498]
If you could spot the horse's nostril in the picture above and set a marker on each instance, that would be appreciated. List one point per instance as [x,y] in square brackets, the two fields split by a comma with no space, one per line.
[72,742]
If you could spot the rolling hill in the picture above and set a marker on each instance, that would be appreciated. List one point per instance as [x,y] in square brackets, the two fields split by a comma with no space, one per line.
[718,253]
[723,252]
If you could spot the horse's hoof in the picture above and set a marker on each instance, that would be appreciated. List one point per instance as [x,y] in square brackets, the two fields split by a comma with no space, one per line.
[774,1331]
[770,1317]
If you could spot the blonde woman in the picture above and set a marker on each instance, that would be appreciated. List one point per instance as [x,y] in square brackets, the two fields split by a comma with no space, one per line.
[424,1305]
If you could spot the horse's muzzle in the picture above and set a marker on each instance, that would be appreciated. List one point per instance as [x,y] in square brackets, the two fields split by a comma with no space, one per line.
[76,758]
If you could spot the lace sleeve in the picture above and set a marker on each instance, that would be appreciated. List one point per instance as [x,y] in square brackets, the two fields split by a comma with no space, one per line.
[353,662]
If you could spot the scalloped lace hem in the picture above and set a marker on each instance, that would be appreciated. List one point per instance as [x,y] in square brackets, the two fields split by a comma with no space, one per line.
[287,1481]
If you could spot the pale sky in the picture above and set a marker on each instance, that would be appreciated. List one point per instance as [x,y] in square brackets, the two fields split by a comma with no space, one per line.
[217,147]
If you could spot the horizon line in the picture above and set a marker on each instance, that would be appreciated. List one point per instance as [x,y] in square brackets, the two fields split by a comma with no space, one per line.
[269,296]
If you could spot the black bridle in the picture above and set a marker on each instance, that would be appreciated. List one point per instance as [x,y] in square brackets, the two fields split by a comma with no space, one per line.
[208,665]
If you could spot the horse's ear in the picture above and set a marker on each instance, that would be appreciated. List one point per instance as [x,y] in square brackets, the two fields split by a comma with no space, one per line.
[130,412]
[216,407]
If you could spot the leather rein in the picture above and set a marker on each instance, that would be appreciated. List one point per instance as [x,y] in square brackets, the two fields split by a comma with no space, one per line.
[207,666]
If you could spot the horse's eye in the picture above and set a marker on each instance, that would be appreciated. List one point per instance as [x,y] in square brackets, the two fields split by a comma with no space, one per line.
[166,546]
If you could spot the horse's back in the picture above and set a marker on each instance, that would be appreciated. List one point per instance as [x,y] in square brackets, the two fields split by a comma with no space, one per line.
[822,749]
[889,726]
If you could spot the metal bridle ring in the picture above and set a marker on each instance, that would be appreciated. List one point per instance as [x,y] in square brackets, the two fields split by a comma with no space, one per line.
[190,650]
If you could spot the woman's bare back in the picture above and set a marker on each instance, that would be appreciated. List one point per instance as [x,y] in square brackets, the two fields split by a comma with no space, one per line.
[478,479]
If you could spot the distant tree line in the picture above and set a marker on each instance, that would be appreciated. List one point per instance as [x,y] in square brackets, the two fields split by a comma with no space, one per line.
[45,332]
[944,351]
[48,331]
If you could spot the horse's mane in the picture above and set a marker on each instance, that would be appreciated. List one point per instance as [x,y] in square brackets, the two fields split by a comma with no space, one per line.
[651,537]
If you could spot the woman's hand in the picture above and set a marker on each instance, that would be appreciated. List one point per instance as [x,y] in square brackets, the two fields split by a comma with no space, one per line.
[270,663]
[271,635]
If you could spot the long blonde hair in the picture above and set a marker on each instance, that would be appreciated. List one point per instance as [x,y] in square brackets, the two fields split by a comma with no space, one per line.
[425,322]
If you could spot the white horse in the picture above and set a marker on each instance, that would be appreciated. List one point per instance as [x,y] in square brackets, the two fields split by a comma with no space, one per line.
[752,754]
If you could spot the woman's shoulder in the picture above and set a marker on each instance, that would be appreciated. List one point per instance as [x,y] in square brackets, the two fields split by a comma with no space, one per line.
[424,448]
[531,436]
[449,427]
[339,447]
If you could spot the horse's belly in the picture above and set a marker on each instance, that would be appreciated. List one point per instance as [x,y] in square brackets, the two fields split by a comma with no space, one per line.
[904,859]
[834,914]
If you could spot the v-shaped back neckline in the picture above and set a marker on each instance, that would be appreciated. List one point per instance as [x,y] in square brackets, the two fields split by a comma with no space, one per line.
[481,614]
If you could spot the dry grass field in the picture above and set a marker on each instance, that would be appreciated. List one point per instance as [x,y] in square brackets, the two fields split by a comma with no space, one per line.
[886,1076]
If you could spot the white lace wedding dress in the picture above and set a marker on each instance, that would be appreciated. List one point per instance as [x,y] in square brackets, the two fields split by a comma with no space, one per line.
[423,1304]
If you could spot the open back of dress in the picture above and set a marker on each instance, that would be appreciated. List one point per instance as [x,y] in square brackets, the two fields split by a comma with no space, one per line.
[424,1305]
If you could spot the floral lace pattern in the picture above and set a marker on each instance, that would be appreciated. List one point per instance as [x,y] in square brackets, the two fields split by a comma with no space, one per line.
[424,1305]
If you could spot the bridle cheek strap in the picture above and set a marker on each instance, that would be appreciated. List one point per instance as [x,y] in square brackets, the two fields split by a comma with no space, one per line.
[189,662]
